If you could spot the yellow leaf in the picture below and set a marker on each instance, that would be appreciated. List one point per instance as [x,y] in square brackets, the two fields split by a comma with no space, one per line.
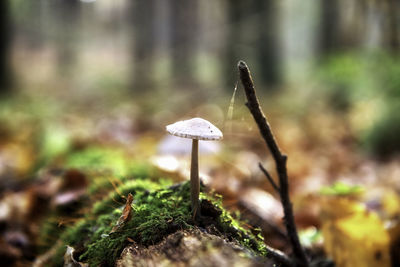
[391,204]
[354,236]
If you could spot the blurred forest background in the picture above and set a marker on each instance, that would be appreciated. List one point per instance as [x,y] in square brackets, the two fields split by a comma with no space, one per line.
[79,72]
[170,55]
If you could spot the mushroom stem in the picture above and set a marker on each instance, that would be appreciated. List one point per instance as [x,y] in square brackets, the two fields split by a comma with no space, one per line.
[194,177]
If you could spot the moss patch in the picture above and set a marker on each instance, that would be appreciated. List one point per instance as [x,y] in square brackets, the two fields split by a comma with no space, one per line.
[230,227]
[159,209]
[157,212]
[109,160]
[155,215]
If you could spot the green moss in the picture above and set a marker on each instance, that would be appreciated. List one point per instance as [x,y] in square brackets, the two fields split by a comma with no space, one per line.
[158,210]
[75,235]
[102,183]
[115,199]
[108,167]
[341,189]
[141,169]
[232,227]
[55,140]
[382,138]
[98,158]
[109,159]
[50,231]
[155,214]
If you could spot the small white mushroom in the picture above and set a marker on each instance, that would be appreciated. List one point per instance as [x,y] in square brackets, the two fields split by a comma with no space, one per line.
[195,129]
[176,146]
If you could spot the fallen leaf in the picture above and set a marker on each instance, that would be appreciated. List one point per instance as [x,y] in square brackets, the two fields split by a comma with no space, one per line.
[354,236]
[126,214]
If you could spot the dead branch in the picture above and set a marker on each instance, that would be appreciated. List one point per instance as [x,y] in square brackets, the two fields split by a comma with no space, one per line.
[269,178]
[280,159]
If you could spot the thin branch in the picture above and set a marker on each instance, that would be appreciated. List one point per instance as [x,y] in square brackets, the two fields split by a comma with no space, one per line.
[269,177]
[280,161]
[279,257]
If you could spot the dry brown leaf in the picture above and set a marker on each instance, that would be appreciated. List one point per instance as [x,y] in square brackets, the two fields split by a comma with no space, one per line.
[126,214]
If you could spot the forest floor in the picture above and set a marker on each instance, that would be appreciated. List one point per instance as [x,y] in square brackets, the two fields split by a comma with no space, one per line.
[66,173]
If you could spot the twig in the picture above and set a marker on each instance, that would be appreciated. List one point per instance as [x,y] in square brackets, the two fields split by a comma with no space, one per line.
[279,257]
[270,180]
[280,161]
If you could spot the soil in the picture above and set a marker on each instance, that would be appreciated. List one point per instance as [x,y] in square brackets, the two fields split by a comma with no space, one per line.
[194,247]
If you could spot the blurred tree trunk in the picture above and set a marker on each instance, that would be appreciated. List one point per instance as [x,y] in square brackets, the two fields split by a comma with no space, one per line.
[252,36]
[67,18]
[329,31]
[268,43]
[184,29]
[143,18]
[393,24]
[234,15]
[5,39]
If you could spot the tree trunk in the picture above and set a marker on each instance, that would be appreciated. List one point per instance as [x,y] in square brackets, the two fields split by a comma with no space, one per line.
[5,36]
[143,41]
[267,46]
[184,20]
[257,17]
[393,24]
[329,31]
[67,18]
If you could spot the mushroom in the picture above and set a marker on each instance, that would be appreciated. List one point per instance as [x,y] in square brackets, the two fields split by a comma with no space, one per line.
[195,129]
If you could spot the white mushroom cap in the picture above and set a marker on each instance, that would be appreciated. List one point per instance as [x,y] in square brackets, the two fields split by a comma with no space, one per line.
[196,128]
[174,145]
